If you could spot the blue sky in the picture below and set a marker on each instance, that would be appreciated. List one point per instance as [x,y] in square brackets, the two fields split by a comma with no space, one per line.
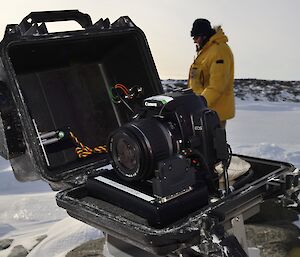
[263,35]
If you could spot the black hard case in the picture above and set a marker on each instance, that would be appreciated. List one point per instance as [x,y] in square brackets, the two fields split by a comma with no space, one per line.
[53,81]
[195,228]
[50,81]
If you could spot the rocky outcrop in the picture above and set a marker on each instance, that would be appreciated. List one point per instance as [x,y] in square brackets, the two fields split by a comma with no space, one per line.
[5,243]
[273,231]
[253,89]
[91,248]
[18,251]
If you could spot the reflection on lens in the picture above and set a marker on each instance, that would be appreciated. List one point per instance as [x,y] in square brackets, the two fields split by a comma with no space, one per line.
[137,147]
[126,154]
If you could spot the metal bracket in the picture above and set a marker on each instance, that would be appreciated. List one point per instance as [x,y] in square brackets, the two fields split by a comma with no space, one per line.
[238,228]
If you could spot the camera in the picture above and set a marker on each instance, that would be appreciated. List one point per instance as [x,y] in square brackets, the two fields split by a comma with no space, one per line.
[164,159]
[175,141]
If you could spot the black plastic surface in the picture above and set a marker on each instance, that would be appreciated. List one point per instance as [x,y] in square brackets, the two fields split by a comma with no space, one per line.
[134,229]
[51,16]
[63,80]
[157,214]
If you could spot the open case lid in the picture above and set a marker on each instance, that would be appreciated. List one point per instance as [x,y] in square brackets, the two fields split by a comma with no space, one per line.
[52,84]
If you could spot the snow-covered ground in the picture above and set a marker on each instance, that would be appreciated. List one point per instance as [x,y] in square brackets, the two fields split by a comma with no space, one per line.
[28,211]
[28,214]
[266,129]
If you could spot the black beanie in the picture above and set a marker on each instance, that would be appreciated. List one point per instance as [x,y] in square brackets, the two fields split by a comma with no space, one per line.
[201,27]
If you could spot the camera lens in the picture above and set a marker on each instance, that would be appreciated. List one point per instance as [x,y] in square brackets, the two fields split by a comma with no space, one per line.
[137,147]
[126,153]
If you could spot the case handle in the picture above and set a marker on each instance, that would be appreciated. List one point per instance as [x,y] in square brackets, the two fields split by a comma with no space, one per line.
[52,16]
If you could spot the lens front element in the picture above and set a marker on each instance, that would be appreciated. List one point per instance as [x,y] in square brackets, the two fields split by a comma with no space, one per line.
[136,148]
[127,154]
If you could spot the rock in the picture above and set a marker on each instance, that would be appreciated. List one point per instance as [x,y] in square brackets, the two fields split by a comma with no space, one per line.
[272,231]
[93,248]
[256,89]
[38,240]
[272,240]
[5,243]
[18,251]
[41,238]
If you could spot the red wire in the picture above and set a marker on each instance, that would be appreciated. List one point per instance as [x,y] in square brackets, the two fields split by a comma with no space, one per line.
[124,89]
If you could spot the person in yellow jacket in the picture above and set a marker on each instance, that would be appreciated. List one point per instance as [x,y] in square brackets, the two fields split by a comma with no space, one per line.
[212,72]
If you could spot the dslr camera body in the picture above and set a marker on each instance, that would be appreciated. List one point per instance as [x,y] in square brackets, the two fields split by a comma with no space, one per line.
[167,155]
[175,141]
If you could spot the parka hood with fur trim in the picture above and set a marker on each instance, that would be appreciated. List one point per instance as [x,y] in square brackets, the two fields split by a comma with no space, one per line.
[218,37]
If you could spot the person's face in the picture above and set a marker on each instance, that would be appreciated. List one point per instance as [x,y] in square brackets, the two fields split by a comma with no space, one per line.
[197,41]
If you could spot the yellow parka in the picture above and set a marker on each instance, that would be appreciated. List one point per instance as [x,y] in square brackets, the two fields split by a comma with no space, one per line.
[212,75]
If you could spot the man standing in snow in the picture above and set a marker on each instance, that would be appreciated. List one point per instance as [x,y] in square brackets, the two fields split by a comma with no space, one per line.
[212,72]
